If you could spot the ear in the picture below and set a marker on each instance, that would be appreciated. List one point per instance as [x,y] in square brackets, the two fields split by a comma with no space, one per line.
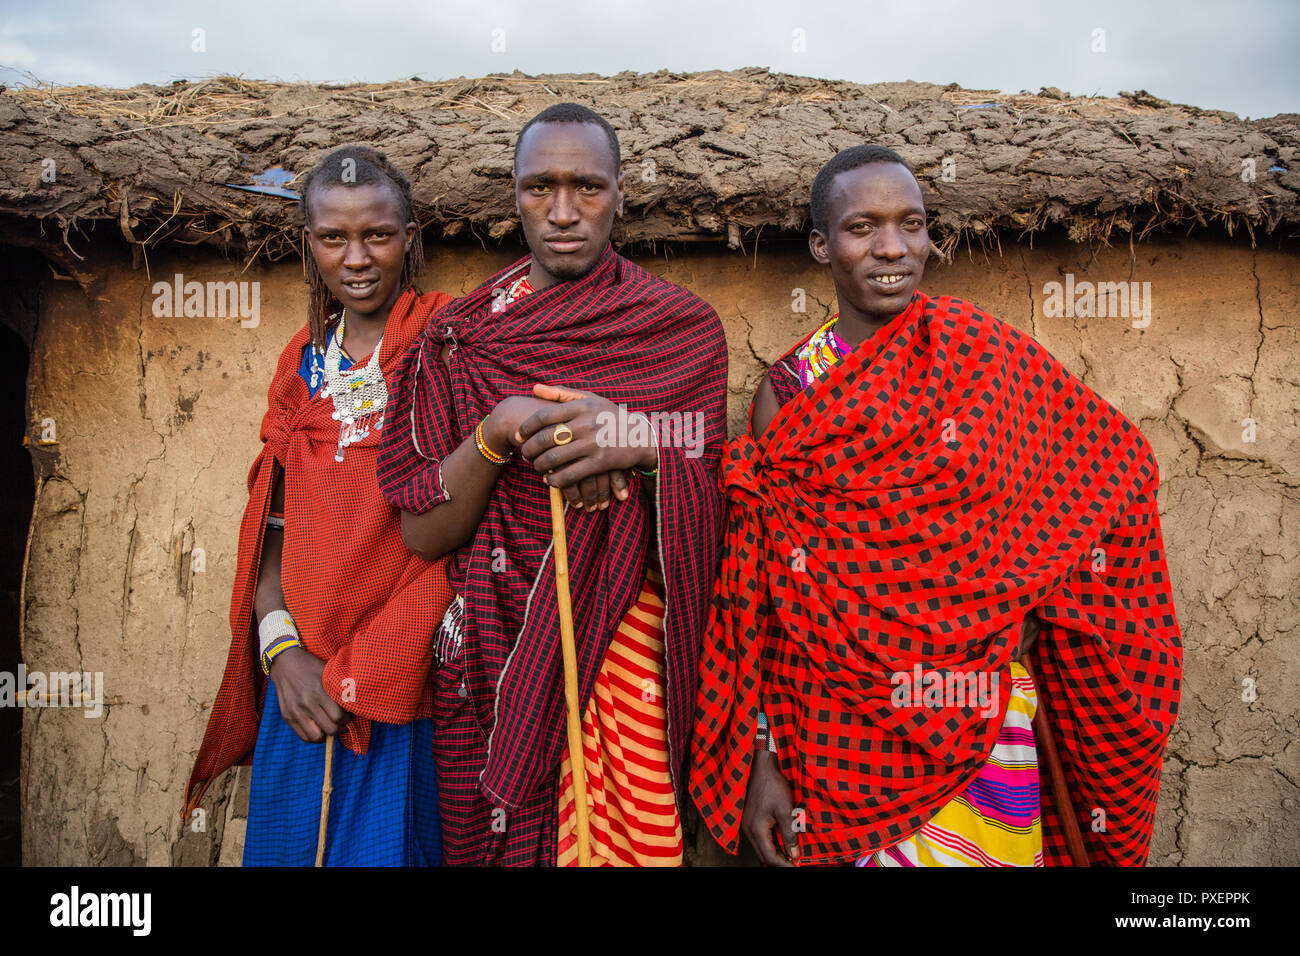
[618,184]
[411,227]
[817,246]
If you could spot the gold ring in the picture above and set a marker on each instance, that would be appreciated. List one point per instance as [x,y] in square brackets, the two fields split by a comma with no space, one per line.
[563,434]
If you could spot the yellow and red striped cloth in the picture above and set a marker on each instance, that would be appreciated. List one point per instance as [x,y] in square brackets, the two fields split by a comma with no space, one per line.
[631,807]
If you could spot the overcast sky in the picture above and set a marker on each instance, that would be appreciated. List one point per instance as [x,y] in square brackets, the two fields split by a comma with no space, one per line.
[1235,56]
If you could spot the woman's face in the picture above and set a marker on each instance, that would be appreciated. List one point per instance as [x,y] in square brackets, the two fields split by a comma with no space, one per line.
[359,240]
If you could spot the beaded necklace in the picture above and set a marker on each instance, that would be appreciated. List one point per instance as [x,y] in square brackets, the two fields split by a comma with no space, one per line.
[360,393]
[823,349]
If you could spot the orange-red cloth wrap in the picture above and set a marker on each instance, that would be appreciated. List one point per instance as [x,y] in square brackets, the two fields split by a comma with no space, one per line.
[362,602]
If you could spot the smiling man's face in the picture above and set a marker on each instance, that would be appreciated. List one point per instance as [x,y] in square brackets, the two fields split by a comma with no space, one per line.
[568,191]
[875,241]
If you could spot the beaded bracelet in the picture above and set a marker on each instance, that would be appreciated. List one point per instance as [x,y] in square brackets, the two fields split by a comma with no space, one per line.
[651,472]
[276,649]
[484,450]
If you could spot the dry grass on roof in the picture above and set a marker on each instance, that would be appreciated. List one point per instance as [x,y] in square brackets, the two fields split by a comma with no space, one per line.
[732,153]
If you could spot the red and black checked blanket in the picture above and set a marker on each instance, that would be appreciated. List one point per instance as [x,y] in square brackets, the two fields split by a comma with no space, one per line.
[361,601]
[910,507]
[499,705]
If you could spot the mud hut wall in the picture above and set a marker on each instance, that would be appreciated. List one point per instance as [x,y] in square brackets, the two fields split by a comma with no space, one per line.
[133,549]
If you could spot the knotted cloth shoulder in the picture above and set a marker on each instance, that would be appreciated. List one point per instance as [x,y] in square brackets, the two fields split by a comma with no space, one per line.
[638,341]
[362,602]
[908,510]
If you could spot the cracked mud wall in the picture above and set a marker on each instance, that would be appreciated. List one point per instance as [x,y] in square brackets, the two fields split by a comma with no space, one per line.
[157,424]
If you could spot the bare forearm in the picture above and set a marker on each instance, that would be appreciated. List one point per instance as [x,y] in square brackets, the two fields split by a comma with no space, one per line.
[269,595]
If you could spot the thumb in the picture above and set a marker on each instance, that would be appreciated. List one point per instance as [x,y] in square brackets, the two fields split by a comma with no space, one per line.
[789,834]
[555,393]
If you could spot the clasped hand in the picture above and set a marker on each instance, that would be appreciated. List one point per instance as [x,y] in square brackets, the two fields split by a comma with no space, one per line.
[588,469]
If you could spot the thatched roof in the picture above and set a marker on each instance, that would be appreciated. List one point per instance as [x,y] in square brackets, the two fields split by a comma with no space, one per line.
[732,154]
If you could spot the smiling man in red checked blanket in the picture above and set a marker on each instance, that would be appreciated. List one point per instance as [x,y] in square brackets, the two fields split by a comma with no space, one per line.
[920,483]
[577,368]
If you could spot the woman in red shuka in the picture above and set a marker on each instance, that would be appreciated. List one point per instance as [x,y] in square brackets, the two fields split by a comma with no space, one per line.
[328,602]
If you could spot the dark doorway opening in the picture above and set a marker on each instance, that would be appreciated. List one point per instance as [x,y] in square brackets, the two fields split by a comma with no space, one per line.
[20,271]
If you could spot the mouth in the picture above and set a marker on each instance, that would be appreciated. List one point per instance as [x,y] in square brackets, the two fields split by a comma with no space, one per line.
[889,282]
[360,288]
[564,243]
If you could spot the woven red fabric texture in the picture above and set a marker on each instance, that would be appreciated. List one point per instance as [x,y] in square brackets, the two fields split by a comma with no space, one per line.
[639,341]
[911,507]
[361,601]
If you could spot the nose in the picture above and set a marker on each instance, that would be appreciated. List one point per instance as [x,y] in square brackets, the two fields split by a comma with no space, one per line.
[889,243]
[564,209]
[356,255]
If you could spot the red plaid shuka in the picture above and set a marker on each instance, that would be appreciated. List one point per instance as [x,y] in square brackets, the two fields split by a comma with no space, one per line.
[499,705]
[361,601]
[910,507]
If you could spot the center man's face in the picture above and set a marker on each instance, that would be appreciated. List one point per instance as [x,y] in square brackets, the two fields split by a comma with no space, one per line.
[568,192]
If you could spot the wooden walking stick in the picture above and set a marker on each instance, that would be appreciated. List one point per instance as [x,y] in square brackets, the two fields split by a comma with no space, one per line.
[1060,792]
[326,788]
[574,716]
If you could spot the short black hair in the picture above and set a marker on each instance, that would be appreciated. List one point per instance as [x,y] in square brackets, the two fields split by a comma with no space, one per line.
[842,162]
[574,113]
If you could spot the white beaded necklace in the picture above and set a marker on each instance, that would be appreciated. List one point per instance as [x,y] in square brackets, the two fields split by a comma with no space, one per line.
[360,394]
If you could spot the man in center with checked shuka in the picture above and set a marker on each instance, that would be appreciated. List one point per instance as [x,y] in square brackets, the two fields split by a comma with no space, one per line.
[577,368]
[920,483]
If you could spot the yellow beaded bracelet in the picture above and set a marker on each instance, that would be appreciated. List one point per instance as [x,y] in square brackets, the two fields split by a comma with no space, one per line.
[276,649]
[484,450]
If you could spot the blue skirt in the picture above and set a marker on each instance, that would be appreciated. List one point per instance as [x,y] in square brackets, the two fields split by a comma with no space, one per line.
[383,810]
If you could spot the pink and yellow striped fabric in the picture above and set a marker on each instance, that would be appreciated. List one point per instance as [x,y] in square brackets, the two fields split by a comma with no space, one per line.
[995,820]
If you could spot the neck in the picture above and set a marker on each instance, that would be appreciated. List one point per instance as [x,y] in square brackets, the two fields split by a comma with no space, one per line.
[539,278]
[362,333]
[371,325]
[368,325]
[855,326]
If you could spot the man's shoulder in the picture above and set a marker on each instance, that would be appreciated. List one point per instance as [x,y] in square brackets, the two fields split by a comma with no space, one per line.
[664,288]
[977,323]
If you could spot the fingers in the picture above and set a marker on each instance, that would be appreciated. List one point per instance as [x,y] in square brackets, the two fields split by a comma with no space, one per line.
[595,492]
[538,420]
[313,718]
[603,492]
[555,393]
[618,485]
[789,838]
[546,455]
[573,474]
[763,840]
[333,718]
[307,729]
